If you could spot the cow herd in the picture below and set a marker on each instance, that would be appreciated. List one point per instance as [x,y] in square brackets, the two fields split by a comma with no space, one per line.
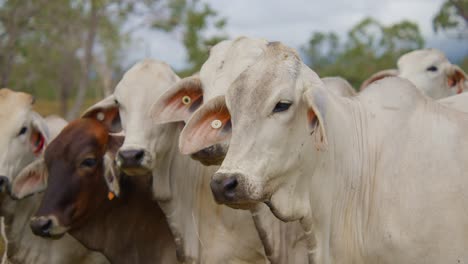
[255,159]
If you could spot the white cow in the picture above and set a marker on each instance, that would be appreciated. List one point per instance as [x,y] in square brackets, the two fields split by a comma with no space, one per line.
[204,231]
[24,135]
[227,60]
[430,71]
[379,178]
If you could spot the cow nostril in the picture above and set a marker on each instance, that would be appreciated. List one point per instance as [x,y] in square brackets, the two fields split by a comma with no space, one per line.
[46,226]
[139,155]
[41,226]
[230,183]
[3,181]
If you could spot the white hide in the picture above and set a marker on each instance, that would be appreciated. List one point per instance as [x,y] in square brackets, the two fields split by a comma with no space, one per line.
[204,231]
[378,178]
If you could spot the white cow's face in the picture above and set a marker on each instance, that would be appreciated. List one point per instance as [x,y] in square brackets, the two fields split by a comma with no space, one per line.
[23,134]
[431,71]
[227,60]
[145,143]
[268,116]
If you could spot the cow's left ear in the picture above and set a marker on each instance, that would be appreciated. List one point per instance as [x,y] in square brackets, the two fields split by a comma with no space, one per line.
[316,103]
[32,179]
[40,135]
[112,173]
[106,112]
[211,124]
[457,79]
[179,102]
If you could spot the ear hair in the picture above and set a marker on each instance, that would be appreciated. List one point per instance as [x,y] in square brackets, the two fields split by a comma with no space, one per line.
[32,179]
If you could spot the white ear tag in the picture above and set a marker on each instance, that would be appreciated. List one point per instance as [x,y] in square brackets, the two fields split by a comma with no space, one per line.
[100,116]
[186,100]
[216,124]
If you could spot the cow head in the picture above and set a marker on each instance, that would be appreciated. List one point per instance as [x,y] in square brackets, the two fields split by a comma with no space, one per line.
[430,71]
[227,60]
[23,134]
[147,147]
[77,173]
[267,112]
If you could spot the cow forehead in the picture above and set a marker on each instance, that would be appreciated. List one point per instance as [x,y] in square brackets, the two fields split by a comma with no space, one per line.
[227,61]
[14,109]
[421,59]
[145,82]
[81,135]
[279,68]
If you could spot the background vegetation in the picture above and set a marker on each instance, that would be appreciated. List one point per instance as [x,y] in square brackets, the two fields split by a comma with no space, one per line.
[69,53]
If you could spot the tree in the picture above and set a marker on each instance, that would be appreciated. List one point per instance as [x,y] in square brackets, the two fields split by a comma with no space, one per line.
[369,47]
[191,20]
[452,18]
[73,48]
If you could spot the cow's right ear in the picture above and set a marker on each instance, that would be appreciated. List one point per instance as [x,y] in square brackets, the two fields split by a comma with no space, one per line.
[112,173]
[377,76]
[32,179]
[179,102]
[106,112]
[209,125]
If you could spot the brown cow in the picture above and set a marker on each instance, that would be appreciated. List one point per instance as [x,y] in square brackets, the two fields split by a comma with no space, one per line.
[77,199]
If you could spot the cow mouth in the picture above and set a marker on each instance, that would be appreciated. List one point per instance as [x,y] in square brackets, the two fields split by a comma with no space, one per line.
[135,170]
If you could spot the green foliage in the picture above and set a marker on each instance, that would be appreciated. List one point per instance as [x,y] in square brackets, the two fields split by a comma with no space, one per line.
[452,18]
[193,19]
[55,48]
[369,47]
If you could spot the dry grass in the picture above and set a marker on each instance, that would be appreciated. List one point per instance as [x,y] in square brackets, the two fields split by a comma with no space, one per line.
[48,107]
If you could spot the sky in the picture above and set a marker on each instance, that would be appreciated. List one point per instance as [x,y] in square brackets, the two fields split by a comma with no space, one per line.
[293,21]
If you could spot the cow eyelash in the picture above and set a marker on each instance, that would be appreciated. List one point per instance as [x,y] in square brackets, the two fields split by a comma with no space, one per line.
[282,106]
[89,162]
[22,131]
[432,68]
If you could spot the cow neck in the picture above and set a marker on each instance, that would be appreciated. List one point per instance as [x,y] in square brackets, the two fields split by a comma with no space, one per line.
[129,229]
[25,247]
[283,241]
[333,188]
[199,224]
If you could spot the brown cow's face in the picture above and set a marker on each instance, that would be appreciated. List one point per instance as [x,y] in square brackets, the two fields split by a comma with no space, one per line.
[76,186]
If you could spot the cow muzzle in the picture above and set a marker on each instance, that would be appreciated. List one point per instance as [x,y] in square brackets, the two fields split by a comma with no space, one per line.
[47,226]
[133,161]
[230,189]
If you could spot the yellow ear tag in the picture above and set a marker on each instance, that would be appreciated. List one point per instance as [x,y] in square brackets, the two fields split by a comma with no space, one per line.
[110,196]
[216,124]
[186,100]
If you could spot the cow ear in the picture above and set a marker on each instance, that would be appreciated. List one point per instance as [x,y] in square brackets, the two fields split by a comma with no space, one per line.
[106,112]
[209,125]
[112,173]
[179,102]
[40,135]
[458,79]
[315,102]
[32,179]
[377,76]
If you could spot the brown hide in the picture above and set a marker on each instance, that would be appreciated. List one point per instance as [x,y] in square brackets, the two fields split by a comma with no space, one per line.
[127,229]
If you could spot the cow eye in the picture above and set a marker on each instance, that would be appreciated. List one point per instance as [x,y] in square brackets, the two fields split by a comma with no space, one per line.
[282,106]
[89,162]
[22,131]
[432,68]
